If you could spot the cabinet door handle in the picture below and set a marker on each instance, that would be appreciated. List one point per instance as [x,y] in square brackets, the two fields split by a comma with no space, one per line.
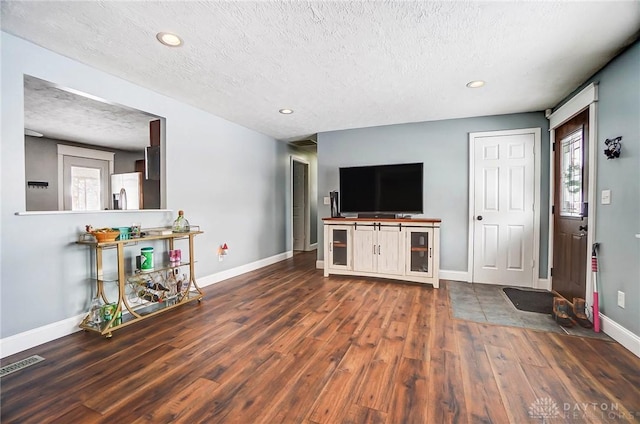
[374,249]
[378,249]
[429,252]
[331,246]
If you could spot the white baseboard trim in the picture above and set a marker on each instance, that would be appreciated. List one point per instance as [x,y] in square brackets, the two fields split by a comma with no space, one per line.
[312,246]
[320,264]
[543,284]
[454,275]
[37,336]
[620,334]
[234,272]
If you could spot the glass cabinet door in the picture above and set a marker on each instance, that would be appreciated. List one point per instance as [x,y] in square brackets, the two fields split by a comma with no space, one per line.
[420,252]
[339,247]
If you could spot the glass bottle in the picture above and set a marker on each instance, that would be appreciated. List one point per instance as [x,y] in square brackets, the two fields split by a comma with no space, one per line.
[181,225]
[95,311]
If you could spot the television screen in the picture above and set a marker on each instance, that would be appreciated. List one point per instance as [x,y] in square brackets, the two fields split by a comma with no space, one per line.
[382,188]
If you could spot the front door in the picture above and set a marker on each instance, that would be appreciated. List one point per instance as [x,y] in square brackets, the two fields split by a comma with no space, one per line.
[570,208]
[503,207]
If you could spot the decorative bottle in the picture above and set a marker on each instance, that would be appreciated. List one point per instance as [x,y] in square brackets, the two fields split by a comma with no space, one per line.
[181,225]
[95,311]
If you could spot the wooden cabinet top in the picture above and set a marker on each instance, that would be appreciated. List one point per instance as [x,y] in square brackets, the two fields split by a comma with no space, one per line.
[393,220]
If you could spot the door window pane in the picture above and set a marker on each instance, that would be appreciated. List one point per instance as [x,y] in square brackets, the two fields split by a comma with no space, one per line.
[86,190]
[571,175]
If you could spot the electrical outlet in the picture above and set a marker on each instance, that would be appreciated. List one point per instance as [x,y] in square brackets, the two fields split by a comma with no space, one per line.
[326,200]
[621,299]
[605,197]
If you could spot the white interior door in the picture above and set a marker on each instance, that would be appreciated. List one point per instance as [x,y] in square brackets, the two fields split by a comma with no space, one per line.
[503,207]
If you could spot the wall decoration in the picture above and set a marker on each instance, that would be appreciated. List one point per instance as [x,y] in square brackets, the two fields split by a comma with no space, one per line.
[613,148]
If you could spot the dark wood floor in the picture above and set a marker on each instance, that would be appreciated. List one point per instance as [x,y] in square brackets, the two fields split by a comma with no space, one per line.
[285,345]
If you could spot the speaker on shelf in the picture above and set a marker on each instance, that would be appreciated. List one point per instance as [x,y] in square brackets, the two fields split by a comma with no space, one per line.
[335,207]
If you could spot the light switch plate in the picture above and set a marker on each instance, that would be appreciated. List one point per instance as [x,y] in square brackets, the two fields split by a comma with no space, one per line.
[605,197]
[621,299]
[326,200]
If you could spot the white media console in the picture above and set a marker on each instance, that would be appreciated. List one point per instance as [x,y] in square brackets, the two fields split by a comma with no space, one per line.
[401,248]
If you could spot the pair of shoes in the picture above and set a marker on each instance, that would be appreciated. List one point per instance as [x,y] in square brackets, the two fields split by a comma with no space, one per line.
[561,312]
[579,312]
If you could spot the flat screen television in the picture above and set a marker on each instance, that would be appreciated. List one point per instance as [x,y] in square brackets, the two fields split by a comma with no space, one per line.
[382,189]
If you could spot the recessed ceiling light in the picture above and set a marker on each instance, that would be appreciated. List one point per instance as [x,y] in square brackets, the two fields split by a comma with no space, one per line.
[286,111]
[475,84]
[169,39]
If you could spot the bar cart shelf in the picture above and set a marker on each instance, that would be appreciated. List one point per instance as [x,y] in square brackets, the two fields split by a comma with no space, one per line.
[128,308]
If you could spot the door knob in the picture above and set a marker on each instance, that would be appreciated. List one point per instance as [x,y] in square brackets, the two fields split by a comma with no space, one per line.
[582,228]
[479,218]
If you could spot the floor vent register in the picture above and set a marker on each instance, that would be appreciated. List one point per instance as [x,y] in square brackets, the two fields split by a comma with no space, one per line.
[17,366]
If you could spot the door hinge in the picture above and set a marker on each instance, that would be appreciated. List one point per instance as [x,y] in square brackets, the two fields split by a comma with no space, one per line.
[553,209]
[551,272]
[554,146]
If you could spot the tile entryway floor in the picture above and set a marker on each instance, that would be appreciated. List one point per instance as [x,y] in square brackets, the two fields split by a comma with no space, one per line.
[488,303]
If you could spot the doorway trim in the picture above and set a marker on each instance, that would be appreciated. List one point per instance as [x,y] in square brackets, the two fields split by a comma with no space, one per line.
[586,98]
[82,152]
[536,197]
[307,206]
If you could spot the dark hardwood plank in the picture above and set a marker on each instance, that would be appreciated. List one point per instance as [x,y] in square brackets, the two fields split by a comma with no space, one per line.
[409,404]
[339,392]
[570,372]
[377,385]
[484,404]
[515,391]
[361,415]
[539,378]
[79,414]
[294,403]
[283,344]
[446,394]
[528,352]
[180,404]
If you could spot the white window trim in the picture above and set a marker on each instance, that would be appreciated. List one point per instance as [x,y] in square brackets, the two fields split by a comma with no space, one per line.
[81,152]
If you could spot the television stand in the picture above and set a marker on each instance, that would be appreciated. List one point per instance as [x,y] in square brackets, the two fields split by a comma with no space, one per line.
[399,249]
[377,215]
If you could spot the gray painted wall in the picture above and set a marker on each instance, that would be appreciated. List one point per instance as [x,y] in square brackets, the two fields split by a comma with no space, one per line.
[228,179]
[41,164]
[617,223]
[124,162]
[443,146]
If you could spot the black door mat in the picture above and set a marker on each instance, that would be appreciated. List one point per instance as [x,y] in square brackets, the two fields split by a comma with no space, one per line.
[530,301]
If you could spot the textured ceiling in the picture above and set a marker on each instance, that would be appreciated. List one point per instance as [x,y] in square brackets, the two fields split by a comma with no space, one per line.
[64,115]
[338,64]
